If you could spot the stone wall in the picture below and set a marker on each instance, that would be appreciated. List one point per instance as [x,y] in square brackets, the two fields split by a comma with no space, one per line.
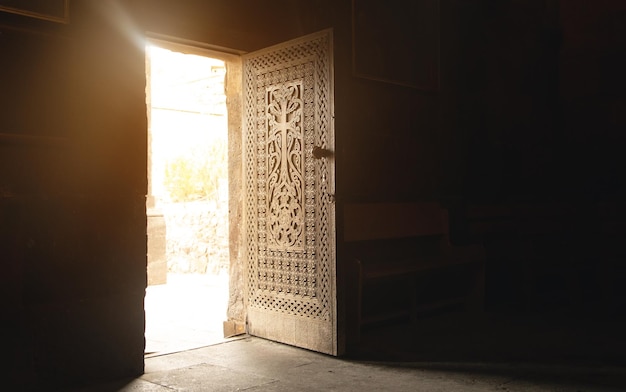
[197,236]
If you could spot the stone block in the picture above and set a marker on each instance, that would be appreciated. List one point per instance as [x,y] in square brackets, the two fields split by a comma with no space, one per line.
[157,258]
[233,328]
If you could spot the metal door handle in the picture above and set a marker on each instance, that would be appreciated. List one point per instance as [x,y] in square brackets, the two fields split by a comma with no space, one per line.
[319,152]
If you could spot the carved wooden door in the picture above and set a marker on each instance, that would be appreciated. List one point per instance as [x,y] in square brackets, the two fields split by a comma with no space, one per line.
[289,179]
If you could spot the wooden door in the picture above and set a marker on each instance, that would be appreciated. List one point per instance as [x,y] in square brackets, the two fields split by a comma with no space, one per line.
[289,187]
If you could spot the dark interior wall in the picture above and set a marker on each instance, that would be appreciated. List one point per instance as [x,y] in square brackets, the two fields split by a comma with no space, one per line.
[521,141]
[463,77]
[240,25]
[592,91]
[532,99]
[72,196]
[386,100]
[533,119]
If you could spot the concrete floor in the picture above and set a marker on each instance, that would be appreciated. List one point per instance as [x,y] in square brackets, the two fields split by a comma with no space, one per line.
[253,364]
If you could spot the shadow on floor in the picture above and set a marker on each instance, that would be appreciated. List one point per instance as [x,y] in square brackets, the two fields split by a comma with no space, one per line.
[254,364]
[538,338]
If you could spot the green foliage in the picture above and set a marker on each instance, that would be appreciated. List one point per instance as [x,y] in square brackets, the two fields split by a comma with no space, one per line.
[197,175]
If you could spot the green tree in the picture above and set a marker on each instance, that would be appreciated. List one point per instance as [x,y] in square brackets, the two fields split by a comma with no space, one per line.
[197,175]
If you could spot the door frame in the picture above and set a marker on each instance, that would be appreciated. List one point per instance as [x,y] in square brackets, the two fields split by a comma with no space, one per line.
[236,317]
[234,323]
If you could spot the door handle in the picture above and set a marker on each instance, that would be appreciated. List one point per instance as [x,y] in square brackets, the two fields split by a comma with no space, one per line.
[319,152]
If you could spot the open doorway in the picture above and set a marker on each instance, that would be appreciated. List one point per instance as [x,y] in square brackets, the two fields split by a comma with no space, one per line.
[187,206]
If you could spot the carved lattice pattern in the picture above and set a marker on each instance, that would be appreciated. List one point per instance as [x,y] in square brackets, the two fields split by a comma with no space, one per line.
[289,239]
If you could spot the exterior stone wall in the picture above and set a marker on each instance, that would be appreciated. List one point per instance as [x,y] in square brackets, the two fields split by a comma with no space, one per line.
[157,241]
[197,236]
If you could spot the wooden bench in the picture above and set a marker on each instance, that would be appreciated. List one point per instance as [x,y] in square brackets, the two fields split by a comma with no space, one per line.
[405,247]
[555,256]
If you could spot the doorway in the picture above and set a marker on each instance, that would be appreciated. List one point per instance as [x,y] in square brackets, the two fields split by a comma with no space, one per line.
[287,294]
[187,205]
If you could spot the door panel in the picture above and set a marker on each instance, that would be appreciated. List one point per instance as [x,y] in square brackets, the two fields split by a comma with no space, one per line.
[289,178]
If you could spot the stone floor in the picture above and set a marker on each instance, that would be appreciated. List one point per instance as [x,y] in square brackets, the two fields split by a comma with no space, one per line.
[434,356]
[253,364]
